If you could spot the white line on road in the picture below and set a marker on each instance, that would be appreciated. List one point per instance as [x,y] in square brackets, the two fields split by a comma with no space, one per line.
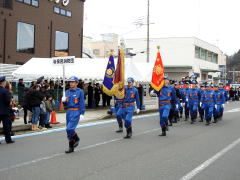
[77,150]
[204,165]
[79,126]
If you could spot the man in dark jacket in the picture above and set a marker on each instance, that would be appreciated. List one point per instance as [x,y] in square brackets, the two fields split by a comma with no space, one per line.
[5,100]
[90,95]
[21,87]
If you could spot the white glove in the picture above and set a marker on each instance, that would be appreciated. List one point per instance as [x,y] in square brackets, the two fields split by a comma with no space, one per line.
[223,105]
[200,104]
[181,104]
[215,106]
[152,93]
[138,111]
[177,106]
[186,100]
[64,99]
[81,117]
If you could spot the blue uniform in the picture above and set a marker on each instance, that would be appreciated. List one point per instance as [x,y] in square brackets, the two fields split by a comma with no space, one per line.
[166,95]
[208,102]
[131,95]
[75,107]
[225,94]
[193,97]
[186,107]
[200,109]
[5,99]
[220,100]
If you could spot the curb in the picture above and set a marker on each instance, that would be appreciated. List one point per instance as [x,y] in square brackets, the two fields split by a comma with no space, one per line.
[27,127]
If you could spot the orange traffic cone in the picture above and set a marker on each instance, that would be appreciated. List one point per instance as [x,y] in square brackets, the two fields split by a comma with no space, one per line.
[54,118]
[61,108]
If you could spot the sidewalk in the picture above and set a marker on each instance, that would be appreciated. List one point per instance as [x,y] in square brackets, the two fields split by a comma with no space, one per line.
[90,115]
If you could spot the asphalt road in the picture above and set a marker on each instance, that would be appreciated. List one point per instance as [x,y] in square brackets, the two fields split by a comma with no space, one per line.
[189,152]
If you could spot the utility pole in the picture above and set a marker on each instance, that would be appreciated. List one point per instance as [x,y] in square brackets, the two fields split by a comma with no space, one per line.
[148,9]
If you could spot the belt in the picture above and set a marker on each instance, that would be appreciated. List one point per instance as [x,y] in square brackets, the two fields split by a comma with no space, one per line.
[73,109]
[193,98]
[163,103]
[208,101]
[128,104]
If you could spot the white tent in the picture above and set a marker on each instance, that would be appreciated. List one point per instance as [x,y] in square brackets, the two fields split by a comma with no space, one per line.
[83,68]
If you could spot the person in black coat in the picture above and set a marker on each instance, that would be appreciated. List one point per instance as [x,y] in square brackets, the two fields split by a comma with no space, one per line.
[35,99]
[97,92]
[90,95]
[21,87]
[5,100]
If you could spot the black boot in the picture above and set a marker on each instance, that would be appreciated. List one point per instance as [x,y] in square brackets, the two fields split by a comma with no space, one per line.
[201,118]
[71,147]
[48,126]
[207,122]
[76,140]
[215,120]
[120,125]
[129,133]
[163,131]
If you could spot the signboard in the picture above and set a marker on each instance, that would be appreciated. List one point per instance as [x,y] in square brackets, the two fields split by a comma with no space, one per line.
[66,60]
[63,60]
[64,2]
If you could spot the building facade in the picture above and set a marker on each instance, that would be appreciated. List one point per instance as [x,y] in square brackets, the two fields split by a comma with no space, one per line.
[101,48]
[182,56]
[40,28]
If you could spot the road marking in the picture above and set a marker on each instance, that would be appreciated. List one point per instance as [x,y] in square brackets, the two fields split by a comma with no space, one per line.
[79,126]
[233,110]
[208,162]
[76,150]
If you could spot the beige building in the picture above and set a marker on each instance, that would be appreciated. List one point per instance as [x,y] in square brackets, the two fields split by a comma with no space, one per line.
[102,48]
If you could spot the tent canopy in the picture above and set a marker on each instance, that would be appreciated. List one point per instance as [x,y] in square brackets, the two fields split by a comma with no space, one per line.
[83,68]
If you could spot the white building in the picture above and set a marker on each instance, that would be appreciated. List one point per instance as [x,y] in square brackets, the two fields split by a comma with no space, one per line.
[182,56]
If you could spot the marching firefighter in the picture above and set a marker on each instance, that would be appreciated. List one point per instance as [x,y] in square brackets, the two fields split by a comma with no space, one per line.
[193,97]
[225,94]
[185,102]
[166,95]
[118,112]
[208,103]
[220,101]
[131,95]
[200,109]
[74,104]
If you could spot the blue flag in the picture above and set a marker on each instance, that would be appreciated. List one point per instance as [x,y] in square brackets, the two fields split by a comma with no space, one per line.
[108,78]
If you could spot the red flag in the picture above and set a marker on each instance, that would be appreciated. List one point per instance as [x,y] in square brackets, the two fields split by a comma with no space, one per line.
[118,87]
[158,73]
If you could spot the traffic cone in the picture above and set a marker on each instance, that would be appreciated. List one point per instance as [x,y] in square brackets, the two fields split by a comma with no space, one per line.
[54,118]
[61,107]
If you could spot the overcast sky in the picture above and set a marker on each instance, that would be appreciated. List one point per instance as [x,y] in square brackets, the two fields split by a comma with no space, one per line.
[215,21]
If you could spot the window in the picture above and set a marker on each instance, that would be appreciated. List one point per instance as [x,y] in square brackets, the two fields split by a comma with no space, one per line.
[56,10]
[69,14]
[25,37]
[6,4]
[209,58]
[27,1]
[63,12]
[215,58]
[96,52]
[197,52]
[61,43]
[203,54]
[34,3]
